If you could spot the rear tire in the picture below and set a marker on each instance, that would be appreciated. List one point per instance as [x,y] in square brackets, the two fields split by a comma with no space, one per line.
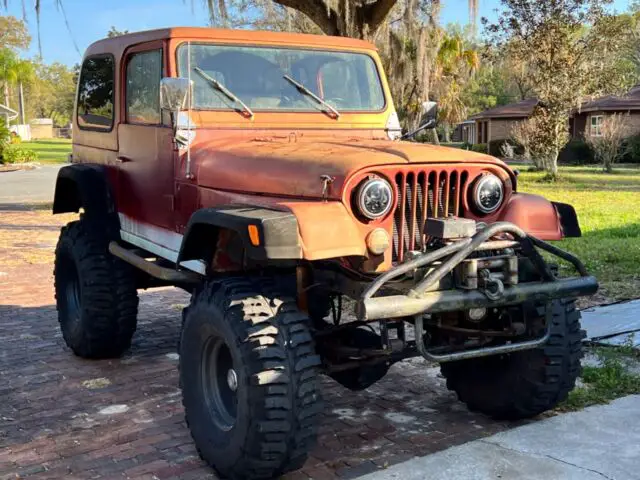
[249,376]
[96,295]
[523,384]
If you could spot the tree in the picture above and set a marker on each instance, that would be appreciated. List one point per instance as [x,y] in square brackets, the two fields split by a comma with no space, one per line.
[607,147]
[14,71]
[113,32]
[13,34]
[570,50]
[51,93]
[344,18]
[454,67]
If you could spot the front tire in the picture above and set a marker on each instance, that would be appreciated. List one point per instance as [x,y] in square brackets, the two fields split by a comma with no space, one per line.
[249,376]
[523,384]
[96,295]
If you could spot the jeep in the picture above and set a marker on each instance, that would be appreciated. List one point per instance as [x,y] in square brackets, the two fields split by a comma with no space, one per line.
[267,174]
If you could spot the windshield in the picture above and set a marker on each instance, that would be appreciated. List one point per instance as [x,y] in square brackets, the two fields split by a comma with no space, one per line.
[256,75]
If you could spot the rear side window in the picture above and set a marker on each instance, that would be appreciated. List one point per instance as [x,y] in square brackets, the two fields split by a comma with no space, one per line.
[144,72]
[95,94]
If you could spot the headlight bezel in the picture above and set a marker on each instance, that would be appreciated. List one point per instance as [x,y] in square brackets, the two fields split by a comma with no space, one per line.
[479,183]
[360,195]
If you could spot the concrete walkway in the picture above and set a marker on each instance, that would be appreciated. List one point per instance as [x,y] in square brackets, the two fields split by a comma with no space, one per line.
[601,442]
[613,324]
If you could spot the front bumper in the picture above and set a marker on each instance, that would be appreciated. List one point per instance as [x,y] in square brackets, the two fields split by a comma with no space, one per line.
[456,300]
[419,301]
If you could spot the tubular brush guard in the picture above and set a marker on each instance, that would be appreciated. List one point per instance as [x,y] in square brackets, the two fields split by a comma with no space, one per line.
[418,301]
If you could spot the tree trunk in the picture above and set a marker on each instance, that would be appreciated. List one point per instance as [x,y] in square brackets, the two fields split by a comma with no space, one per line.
[447,133]
[6,99]
[21,104]
[552,167]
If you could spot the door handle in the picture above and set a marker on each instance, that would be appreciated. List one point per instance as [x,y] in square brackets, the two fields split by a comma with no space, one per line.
[122,159]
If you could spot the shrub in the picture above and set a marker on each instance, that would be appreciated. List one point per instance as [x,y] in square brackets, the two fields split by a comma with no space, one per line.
[479,147]
[631,149]
[608,147]
[4,136]
[13,153]
[577,152]
[497,148]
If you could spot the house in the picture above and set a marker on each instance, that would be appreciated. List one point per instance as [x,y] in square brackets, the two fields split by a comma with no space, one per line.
[497,123]
[41,128]
[588,120]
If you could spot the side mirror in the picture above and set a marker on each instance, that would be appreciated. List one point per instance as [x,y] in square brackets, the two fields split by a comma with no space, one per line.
[174,93]
[175,97]
[429,119]
[429,114]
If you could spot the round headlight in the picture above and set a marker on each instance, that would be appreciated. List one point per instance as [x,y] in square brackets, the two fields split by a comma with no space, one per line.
[488,193]
[374,198]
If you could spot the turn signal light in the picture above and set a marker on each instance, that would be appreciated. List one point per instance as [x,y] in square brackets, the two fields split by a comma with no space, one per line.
[378,241]
[254,235]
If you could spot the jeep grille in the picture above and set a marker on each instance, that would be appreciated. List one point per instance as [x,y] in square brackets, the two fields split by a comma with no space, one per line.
[424,194]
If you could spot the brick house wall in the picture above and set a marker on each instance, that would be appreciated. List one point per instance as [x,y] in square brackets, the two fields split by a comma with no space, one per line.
[500,129]
[582,123]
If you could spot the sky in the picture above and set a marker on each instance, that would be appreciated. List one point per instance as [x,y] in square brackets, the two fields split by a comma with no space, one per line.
[90,20]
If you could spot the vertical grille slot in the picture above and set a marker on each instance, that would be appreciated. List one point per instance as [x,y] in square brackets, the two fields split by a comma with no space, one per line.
[422,195]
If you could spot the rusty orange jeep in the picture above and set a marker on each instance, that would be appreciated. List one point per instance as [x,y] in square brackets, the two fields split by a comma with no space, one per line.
[267,174]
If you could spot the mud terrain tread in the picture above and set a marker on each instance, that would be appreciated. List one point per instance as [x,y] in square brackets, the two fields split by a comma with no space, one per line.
[284,396]
[533,382]
[109,300]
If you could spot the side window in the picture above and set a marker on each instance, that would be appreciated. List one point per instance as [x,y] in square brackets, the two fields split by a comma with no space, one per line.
[95,94]
[144,72]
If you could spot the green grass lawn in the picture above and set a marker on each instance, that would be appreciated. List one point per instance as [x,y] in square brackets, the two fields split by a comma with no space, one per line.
[53,150]
[608,207]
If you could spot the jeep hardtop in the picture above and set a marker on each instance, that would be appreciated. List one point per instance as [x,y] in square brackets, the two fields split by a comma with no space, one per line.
[267,174]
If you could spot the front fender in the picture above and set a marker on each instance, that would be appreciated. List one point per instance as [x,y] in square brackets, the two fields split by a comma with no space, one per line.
[277,232]
[541,218]
[327,230]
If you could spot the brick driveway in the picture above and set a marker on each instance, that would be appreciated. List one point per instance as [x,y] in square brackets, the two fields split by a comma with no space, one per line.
[63,417]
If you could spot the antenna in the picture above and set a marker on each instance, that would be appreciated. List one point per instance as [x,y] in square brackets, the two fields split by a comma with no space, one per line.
[188,173]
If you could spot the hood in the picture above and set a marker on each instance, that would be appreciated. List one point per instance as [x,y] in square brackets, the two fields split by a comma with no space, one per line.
[293,168]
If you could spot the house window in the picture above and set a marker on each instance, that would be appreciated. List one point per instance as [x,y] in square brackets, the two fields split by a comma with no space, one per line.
[596,125]
[95,93]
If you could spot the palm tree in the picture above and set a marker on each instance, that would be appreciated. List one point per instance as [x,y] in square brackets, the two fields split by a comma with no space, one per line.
[14,72]
[454,67]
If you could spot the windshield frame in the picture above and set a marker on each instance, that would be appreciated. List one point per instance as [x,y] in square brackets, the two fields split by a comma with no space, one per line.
[380,77]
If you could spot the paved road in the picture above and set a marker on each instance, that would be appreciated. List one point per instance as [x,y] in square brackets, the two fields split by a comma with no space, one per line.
[28,186]
[594,444]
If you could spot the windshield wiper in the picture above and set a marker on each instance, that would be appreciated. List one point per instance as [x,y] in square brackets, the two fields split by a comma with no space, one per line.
[302,89]
[221,88]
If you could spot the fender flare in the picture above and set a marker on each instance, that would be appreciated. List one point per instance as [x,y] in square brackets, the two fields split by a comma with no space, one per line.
[83,186]
[277,232]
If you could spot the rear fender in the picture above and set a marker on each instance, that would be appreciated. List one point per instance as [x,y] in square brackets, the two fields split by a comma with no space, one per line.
[541,218]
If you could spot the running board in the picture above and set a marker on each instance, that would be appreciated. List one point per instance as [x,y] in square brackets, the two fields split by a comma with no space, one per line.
[165,274]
